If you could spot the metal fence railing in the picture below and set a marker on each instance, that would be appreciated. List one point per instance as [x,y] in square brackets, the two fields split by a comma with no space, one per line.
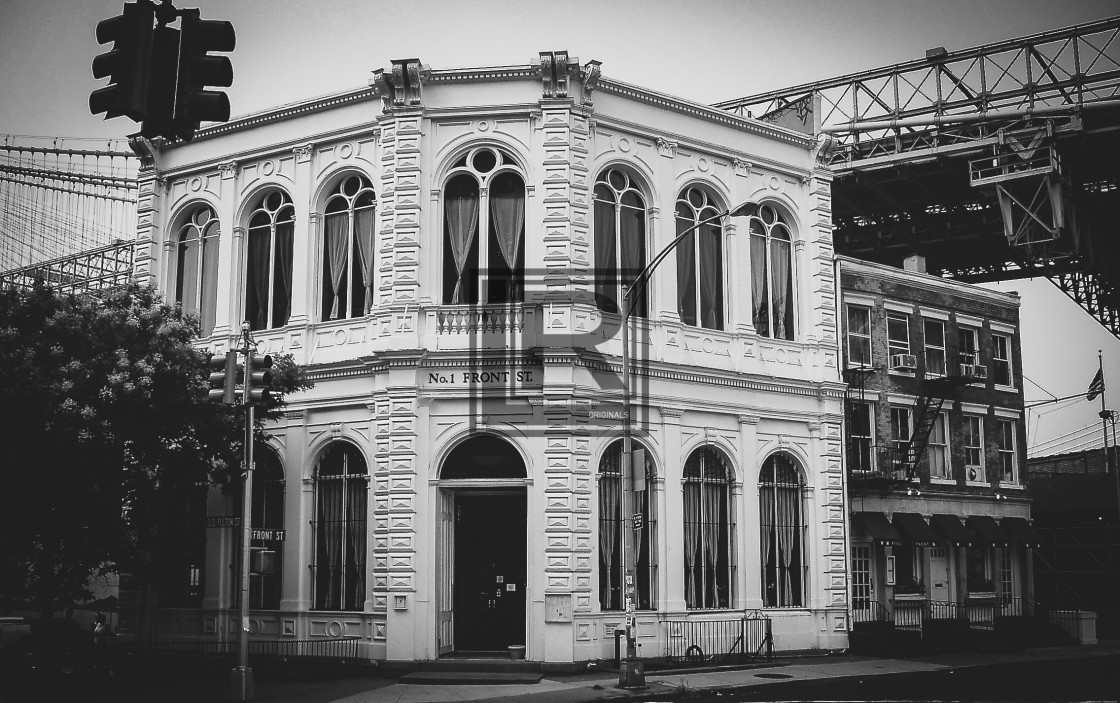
[729,641]
[869,611]
[273,658]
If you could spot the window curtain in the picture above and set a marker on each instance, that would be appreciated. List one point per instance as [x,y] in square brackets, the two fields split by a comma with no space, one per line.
[783,289]
[356,491]
[686,274]
[188,270]
[606,280]
[328,560]
[759,284]
[461,215]
[692,537]
[787,519]
[713,495]
[711,277]
[259,244]
[363,231]
[609,508]
[766,512]
[283,305]
[507,216]
[209,299]
[335,239]
[633,254]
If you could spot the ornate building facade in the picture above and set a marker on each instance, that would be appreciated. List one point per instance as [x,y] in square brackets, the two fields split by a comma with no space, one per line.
[445,252]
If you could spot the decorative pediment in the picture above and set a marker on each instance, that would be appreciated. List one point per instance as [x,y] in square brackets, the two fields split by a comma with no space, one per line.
[400,87]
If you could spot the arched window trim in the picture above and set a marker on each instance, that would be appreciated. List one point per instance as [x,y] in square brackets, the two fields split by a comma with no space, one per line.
[611,568]
[275,216]
[617,278]
[698,595]
[708,207]
[465,164]
[787,545]
[207,231]
[338,195]
[352,527]
[764,247]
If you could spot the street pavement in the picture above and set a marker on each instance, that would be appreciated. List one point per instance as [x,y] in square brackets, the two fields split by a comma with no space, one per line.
[765,680]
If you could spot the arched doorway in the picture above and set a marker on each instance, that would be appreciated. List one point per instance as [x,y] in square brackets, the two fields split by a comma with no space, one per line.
[482,565]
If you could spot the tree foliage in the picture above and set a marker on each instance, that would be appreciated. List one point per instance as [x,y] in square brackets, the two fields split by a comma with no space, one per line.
[106,417]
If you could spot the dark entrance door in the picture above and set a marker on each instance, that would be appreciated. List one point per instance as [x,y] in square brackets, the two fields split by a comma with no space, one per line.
[489,607]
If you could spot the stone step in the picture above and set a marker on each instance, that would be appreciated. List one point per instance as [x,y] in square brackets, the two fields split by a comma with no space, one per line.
[471,678]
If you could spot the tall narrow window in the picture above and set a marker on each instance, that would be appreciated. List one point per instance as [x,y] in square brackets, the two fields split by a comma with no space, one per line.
[341,485]
[900,427]
[348,251]
[935,347]
[898,334]
[1001,360]
[700,261]
[196,269]
[974,448]
[783,540]
[266,548]
[485,192]
[612,523]
[859,335]
[268,274]
[968,345]
[620,239]
[861,437]
[708,525]
[937,449]
[771,274]
[1008,466]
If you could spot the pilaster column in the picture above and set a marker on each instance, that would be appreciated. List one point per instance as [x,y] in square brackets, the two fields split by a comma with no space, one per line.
[749,591]
[303,241]
[670,512]
[231,245]
[299,510]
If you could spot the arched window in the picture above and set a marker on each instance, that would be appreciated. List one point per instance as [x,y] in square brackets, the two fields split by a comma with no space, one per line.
[268,264]
[612,523]
[699,261]
[620,239]
[196,266]
[709,570]
[771,273]
[268,527]
[783,533]
[341,487]
[348,251]
[484,193]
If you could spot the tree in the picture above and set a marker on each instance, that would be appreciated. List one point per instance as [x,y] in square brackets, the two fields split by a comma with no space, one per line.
[105,410]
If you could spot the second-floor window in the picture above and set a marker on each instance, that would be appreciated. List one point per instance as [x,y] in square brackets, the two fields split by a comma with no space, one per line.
[620,239]
[861,437]
[1008,464]
[900,428]
[859,335]
[268,264]
[196,266]
[1001,360]
[348,251]
[771,274]
[485,193]
[974,448]
[700,261]
[898,333]
[935,347]
[968,345]
[937,449]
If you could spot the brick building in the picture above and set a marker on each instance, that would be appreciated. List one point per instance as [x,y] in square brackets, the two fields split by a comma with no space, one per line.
[935,446]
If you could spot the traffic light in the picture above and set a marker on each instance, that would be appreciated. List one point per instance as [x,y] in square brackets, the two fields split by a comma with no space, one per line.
[126,64]
[194,104]
[224,371]
[258,381]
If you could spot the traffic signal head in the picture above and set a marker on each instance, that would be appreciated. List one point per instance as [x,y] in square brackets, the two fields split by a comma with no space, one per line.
[194,104]
[224,371]
[258,384]
[126,64]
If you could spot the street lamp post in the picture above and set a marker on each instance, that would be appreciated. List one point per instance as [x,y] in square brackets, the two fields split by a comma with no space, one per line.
[631,674]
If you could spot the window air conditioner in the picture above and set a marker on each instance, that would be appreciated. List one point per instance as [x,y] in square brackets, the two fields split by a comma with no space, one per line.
[904,362]
[979,371]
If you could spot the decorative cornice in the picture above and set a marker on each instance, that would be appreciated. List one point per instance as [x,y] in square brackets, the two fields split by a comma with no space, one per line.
[924,280]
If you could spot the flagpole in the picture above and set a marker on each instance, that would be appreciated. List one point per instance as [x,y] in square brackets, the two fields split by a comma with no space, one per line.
[1108,463]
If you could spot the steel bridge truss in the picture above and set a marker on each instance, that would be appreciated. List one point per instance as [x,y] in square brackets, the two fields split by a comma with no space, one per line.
[105,267]
[995,162]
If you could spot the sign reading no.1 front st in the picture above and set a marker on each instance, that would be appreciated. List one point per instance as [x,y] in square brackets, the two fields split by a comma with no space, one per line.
[509,377]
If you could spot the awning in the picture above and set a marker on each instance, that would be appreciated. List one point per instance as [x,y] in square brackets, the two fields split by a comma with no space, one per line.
[989,531]
[1019,530]
[877,526]
[951,528]
[914,529]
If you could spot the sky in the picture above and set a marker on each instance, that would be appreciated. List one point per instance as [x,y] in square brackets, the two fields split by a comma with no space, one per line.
[702,50]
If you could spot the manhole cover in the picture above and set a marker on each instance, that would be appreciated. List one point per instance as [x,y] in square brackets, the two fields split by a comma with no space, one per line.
[774,676]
